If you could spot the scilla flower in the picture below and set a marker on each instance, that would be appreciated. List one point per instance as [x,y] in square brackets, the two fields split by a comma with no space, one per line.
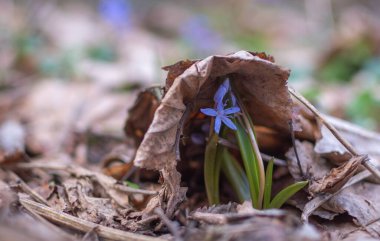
[222,115]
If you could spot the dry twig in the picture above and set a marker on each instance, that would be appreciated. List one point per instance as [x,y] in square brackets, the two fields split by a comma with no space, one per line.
[366,161]
[48,224]
[172,226]
[26,189]
[216,218]
[83,225]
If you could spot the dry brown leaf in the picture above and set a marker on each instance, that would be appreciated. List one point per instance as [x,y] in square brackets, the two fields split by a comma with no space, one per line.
[192,86]
[256,80]
[337,177]
[141,114]
[311,163]
[84,205]
[362,202]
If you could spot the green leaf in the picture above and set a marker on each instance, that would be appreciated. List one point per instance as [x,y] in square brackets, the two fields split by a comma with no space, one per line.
[256,163]
[268,183]
[250,163]
[131,184]
[286,193]
[235,176]
[209,170]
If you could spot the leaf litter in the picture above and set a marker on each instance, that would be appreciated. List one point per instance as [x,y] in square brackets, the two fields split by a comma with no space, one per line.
[46,172]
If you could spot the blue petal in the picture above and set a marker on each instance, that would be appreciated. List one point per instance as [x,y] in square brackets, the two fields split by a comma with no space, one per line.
[226,84]
[208,111]
[220,93]
[229,123]
[220,106]
[217,124]
[231,110]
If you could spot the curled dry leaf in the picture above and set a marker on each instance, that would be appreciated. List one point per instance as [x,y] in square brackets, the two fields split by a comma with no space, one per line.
[191,85]
[337,191]
[362,202]
[141,114]
[256,80]
[337,177]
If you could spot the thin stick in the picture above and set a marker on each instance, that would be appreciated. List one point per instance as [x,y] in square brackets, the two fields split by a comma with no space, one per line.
[172,226]
[217,218]
[49,224]
[84,225]
[25,188]
[295,149]
[366,162]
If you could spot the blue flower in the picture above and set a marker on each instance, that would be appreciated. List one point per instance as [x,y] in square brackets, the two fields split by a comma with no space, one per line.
[221,115]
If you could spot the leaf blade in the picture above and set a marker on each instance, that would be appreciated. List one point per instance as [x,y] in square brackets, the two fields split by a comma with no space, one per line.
[209,169]
[268,184]
[249,162]
[286,193]
[235,175]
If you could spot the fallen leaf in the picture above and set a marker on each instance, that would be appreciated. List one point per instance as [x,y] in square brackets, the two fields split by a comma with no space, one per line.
[362,202]
[337,177]
[255,78]
[312,164]
[141,114]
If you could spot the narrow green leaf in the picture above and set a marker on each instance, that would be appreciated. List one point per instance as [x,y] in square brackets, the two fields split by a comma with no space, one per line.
[286,193]
[258,162]
[268,183]
[217,170]
[250,163]
[209,170]
[235,176]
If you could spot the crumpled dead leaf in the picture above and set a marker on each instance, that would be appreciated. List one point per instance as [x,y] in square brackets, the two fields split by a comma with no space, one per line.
[362,202]
[142,113]
[257,79]
[84,205]
[337,177]
[358,200]
[191,85]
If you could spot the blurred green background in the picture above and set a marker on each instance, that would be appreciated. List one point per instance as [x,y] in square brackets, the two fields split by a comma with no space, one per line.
[331,46]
